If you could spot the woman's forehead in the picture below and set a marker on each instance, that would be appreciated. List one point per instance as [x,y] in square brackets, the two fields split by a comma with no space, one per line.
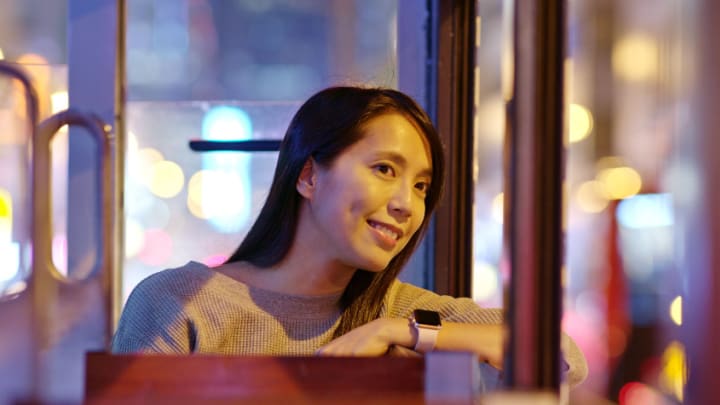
[395,134]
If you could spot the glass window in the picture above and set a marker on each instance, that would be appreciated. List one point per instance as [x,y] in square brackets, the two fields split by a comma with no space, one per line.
[626,91]
[228,70]
[35,43]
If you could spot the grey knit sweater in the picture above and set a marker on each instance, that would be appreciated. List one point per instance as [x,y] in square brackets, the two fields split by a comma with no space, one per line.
[193,309]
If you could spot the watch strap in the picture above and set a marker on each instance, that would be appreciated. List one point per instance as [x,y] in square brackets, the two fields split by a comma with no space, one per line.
[426,338]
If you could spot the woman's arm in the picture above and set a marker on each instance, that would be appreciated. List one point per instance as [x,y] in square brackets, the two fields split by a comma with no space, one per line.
[485,340]
[375,338]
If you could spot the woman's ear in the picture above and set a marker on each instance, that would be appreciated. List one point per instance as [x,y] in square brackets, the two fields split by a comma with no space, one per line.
[306,181]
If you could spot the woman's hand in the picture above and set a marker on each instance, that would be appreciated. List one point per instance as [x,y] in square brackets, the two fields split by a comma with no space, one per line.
[372,339]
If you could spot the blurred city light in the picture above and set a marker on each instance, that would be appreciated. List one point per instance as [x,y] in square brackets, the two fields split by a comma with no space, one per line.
[498,208]
[166,179]
[635,58]
[673,372]
[646,211]
[676,310]
[225,197]
[581,122]
[484,281]
[620,182]
[591,196]
[157,249]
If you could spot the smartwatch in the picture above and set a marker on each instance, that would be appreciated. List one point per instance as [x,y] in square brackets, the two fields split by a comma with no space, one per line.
[427,325]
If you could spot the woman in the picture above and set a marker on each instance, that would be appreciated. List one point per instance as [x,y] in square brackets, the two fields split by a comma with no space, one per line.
[358,175]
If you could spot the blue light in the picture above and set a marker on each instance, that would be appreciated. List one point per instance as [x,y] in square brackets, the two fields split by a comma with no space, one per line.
[229,205]
[226,123]
[646,211]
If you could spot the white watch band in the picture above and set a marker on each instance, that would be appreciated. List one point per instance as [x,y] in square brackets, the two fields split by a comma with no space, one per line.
[426,338]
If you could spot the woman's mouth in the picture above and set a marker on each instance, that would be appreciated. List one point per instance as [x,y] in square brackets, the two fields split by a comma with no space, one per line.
[388,234]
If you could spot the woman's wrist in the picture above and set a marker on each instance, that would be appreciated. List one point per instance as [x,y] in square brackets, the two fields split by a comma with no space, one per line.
[400,332]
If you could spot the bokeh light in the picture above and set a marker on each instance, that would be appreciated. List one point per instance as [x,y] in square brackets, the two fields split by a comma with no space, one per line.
[166,179]
[215,260]
[497,208]
[484,280]
[673,372]
[591,196]
[637,393]
[581,122]
[620,182]
[157,249]
[676,310]
[635,58]
[645,211]
[6,215]
[225,188]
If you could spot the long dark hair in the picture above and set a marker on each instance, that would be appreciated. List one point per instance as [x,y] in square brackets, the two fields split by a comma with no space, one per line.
[324,126]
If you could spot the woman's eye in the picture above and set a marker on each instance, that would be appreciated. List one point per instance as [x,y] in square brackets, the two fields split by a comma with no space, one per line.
[422,186]
[384,169]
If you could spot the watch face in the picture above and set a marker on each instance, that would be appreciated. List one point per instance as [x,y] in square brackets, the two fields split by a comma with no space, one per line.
[427,317]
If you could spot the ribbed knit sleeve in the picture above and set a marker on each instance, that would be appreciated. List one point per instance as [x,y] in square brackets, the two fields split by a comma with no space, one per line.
[154,320]
[403,298]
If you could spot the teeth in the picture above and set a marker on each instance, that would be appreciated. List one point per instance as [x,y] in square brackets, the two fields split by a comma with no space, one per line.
[387,231]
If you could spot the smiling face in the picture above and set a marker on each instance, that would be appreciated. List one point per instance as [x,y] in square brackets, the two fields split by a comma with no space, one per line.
[363,209]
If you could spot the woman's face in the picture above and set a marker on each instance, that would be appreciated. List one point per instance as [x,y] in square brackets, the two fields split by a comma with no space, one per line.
[367,205]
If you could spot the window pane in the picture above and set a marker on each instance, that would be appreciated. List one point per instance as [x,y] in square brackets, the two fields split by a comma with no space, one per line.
[228,70]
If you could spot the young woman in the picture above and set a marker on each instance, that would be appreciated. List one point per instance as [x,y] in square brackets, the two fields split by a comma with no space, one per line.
[359,174]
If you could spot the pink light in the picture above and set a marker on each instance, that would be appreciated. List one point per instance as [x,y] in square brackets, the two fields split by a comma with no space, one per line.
[214,260]
[157,249]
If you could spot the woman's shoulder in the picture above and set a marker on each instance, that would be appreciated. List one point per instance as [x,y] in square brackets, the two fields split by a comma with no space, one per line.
[179,280]
[403,298]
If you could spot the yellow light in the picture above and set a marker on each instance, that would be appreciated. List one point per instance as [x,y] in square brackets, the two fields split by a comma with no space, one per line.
[635,58]
[581,122]
[676,310]
[620,182]
[149,156]
[194,194]
[214,194]
[673,373]
[140,162]
[6,216]
[2,55]
[608,162]
[498,208]
[166,179]
[591,196]
[5,204]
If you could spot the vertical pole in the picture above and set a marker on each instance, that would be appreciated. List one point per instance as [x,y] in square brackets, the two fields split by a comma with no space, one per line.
[455,64]
[534,210]
[701,231]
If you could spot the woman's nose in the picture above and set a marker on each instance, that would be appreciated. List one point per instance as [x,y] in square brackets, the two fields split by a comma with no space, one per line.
[401,201]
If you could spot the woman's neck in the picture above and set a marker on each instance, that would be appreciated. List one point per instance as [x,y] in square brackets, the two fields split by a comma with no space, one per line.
[304,270]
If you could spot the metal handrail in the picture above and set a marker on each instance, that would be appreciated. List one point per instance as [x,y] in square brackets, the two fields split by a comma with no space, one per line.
[42,178]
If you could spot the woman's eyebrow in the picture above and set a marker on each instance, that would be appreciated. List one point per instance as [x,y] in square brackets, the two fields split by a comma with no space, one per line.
[401,161]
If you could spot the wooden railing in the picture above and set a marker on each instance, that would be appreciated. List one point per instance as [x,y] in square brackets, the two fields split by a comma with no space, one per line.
[448,377]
